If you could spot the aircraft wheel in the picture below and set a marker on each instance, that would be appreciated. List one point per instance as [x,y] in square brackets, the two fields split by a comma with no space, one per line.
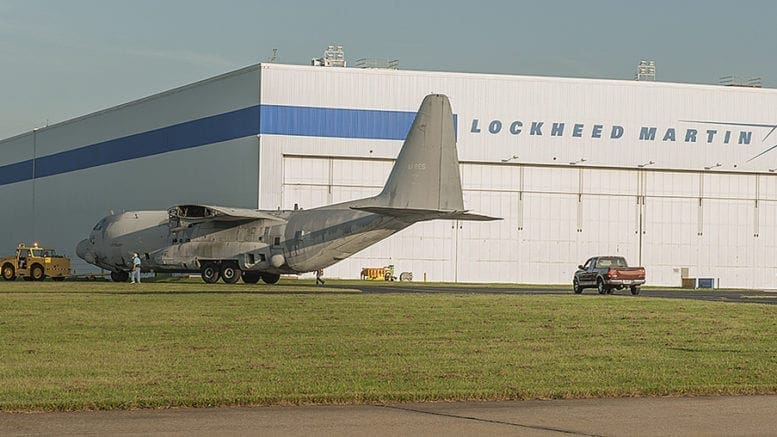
[120,276]
[229,273]
[9,273]
[576,286]
[635,290]
[251,277]
[270,278]
[36,273]
[210,273]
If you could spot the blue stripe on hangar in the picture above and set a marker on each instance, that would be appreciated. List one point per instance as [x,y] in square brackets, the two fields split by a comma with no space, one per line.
[335,123]
[208,130]
[20,171]
[264,119]
[308,121]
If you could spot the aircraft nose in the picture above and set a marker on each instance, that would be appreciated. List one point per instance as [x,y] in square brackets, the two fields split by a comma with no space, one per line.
[84,251]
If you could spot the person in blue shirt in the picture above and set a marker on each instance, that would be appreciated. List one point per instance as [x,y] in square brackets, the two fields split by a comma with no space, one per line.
[135,274]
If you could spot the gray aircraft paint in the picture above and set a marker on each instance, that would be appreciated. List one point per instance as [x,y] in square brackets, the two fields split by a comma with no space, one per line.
[424,184]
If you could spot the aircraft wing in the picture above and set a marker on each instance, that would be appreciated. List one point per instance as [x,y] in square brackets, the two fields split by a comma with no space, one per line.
[201,213]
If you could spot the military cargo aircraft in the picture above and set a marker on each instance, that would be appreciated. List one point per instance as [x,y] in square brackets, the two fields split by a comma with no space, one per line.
[232,243]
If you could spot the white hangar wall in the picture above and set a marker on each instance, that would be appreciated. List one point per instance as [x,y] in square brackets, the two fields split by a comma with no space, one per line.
[196,143]
[672,176]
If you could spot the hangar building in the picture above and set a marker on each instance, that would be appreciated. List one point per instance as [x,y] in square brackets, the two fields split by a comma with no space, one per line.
[679,178]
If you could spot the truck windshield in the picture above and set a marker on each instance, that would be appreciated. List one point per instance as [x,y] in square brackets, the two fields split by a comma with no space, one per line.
[611,261]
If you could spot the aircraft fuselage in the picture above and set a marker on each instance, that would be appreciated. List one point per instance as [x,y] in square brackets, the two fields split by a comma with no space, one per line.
[305,241]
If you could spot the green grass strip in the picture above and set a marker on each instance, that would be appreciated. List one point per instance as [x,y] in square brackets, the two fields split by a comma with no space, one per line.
[155,345]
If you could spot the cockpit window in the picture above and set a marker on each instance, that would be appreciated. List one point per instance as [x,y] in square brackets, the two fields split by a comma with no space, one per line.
[99,225]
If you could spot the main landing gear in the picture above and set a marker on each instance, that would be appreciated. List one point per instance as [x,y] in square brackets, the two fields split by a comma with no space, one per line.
[119,276]
[230,273]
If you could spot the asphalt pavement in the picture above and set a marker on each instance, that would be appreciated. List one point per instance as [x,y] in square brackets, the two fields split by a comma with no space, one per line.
[716,295]
[729,416]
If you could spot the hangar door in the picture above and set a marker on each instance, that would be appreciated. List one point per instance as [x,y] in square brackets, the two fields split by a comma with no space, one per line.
[424,248]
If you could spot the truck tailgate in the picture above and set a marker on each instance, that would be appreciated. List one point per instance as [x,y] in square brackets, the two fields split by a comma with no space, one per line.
[630,272]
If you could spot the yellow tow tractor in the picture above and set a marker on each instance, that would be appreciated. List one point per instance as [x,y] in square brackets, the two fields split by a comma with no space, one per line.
[378,273]
[34,263]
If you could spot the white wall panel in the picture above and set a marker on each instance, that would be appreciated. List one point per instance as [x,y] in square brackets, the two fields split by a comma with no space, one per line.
[491,177]
[670,240]
[489,251]
[17,213]
[312,170]
[549,238]
[664,183]
[729,186]
[552,179]
[609,227]
[358,172]
[305,196]
[767,186]
[764,270]
[602,181]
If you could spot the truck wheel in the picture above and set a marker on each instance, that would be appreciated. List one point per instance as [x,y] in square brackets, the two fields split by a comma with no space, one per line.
[635,290]
[9,273]
[251,277]
[119,276]
[210,273]
[270,278]
[36,273]
[576,286]
[229,273]
[600,287]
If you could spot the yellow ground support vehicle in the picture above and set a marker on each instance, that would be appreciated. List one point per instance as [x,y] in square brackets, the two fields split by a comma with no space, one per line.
[34,263]
[378,273]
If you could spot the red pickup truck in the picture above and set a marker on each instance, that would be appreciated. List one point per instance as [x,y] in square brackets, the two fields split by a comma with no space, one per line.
[608,273]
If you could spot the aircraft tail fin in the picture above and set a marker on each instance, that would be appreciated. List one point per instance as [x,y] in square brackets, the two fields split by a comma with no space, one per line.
[424,183]
[426,173]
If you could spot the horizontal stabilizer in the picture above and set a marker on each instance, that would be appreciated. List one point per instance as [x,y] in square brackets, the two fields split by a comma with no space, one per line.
[415,214]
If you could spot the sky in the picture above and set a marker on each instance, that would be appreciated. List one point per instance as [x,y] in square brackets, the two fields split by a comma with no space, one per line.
[62,59]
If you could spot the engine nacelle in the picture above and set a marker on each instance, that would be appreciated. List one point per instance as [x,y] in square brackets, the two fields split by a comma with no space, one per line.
[277,260]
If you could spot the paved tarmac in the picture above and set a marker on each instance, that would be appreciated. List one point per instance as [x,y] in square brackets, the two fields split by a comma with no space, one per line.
[737,296]
[729,416]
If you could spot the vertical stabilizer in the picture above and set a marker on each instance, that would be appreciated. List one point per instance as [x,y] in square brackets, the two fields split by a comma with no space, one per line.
[425,183]
[426,173]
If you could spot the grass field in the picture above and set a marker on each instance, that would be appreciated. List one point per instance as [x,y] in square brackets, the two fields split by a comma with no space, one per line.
[73,346]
